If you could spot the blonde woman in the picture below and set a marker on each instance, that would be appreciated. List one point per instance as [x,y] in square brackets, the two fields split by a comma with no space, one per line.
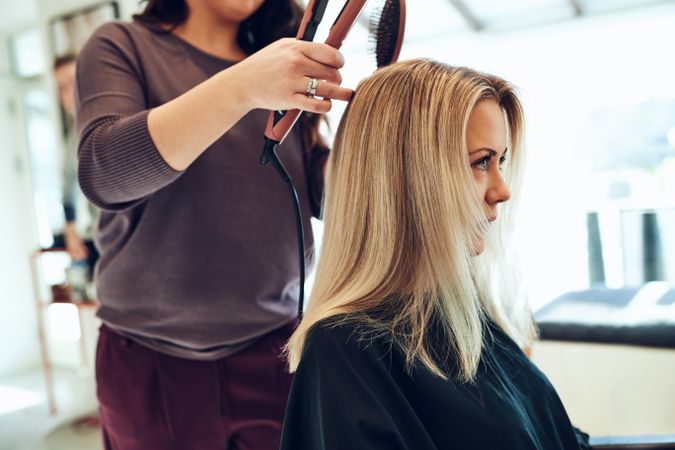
[412,338]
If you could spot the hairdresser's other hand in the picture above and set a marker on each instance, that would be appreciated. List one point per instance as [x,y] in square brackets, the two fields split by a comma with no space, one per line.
[276,77]
[74,243]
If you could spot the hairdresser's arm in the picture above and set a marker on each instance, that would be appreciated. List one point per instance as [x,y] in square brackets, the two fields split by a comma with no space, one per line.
[127,151]
[271,79]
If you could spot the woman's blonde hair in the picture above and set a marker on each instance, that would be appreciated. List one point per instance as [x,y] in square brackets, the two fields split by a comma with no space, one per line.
[402,218]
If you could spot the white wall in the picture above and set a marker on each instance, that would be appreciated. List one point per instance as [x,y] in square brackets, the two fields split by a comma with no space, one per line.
[18,330]
[50,8]
[19,348]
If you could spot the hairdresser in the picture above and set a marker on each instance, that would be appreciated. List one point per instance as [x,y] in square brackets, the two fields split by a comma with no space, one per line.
[198,275]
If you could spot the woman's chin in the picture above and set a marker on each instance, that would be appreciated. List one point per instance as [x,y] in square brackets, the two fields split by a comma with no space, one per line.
[242,10]
[478,248]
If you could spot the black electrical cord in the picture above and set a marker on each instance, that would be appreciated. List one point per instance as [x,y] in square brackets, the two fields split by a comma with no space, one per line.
[269,155]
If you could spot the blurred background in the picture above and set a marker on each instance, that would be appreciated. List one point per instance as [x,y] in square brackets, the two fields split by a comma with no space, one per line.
[596,227]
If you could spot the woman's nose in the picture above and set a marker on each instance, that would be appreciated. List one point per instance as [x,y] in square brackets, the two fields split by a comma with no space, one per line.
[498,191]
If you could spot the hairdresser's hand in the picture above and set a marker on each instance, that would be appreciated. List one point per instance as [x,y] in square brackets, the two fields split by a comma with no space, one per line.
[74,244]
[276,77]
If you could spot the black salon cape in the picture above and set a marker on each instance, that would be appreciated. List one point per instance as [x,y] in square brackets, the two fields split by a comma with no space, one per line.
[352,394]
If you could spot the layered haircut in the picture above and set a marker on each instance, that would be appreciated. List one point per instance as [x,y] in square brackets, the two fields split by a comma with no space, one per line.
[402,217]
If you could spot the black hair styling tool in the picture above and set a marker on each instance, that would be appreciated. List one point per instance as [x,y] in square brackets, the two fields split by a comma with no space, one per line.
[387,26]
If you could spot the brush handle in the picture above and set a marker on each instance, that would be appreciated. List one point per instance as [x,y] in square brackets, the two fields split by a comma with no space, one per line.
[401,31]
[280,123]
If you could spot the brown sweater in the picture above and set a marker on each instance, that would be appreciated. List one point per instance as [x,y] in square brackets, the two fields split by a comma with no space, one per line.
[200,263]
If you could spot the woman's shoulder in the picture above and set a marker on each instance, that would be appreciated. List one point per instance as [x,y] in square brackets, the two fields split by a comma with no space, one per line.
[132,42]
[125,33]
[115,29]
[349,335]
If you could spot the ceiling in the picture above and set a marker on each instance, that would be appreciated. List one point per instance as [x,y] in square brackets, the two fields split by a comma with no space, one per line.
[433,17]
[426,18]
[429,18]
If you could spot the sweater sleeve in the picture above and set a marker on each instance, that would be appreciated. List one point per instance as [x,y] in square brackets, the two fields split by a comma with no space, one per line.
[119,165]
[345,397]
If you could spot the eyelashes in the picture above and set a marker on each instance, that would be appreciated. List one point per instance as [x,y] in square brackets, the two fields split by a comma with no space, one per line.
[482,164]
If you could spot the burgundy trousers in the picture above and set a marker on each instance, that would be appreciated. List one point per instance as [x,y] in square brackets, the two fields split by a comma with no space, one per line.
[149,400]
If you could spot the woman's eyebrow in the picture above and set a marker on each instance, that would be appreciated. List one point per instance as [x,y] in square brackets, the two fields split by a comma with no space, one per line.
[484,149]
[491,151]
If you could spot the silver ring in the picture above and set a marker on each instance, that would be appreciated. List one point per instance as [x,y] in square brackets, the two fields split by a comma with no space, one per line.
[311,87]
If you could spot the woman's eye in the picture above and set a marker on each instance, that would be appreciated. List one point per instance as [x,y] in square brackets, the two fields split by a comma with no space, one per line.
[482,163]
[502,162]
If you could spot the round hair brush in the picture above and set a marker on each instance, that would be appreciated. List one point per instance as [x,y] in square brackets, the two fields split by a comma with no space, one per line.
[386,28]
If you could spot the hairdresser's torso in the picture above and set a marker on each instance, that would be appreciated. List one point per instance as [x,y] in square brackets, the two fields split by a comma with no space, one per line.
[209,262]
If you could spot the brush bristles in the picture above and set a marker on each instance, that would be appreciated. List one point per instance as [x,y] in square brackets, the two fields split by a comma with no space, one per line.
[384,32]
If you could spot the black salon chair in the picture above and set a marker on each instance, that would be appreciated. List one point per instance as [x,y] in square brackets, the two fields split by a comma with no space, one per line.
[557,322]
[660,442]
